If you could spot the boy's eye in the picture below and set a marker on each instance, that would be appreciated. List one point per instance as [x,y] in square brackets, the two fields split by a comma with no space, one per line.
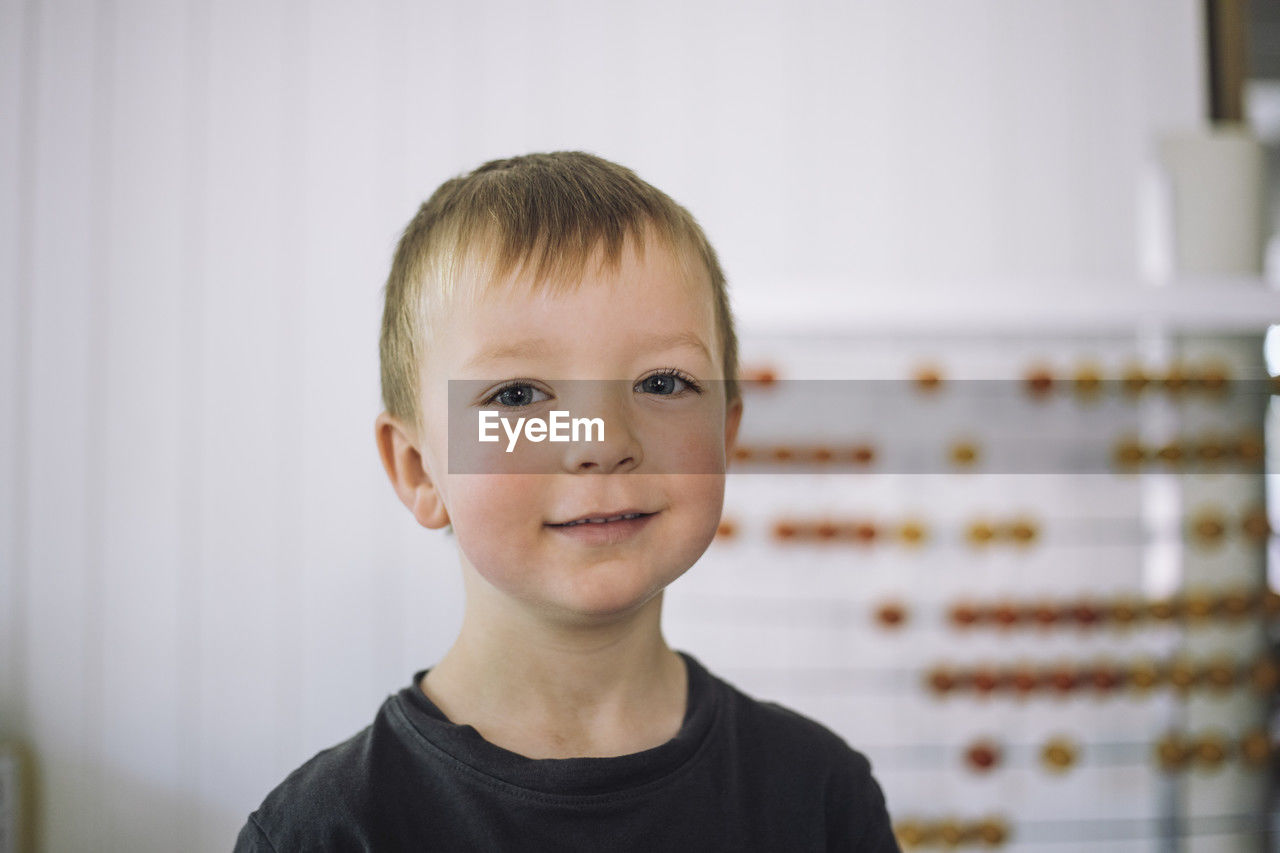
[517,395]
[667,384]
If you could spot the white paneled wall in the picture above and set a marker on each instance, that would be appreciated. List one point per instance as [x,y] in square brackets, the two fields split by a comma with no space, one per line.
[204,577]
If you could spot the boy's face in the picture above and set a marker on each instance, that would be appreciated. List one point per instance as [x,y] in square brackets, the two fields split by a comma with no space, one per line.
[621,326]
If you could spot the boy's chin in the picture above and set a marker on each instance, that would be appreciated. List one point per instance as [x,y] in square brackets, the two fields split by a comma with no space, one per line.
[602,602]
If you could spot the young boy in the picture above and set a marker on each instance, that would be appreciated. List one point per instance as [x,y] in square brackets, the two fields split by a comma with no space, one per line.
[560,720]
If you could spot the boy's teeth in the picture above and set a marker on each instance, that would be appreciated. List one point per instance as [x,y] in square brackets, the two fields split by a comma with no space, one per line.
[601,520]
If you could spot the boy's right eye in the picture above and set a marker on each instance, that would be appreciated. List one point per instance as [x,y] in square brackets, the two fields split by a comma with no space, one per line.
[515,395]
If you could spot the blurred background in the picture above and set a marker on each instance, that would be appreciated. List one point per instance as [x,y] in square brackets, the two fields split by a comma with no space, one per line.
[205,577]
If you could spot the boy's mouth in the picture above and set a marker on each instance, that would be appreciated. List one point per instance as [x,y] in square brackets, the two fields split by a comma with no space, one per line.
[604,518]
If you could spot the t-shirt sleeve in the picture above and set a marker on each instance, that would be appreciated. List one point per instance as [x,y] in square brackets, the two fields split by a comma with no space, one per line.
[856,811]
[252,839]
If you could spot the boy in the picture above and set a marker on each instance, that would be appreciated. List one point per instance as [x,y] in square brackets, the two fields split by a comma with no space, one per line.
[560,719]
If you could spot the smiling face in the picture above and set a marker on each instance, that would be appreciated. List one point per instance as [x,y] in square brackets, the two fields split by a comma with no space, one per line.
[647,328]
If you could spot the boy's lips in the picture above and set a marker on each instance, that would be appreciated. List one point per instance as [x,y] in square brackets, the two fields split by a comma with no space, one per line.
[617,529]
[602,517]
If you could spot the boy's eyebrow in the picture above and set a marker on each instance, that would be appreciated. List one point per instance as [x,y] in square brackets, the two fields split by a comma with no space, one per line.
[539,346]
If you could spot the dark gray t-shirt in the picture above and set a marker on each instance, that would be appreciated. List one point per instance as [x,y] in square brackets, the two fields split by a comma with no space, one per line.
[740,775]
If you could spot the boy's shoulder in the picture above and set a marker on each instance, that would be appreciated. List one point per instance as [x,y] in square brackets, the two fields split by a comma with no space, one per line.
[336,790]
[786,738]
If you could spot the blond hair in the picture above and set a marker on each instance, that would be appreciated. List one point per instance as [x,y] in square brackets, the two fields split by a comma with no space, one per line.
[546,213]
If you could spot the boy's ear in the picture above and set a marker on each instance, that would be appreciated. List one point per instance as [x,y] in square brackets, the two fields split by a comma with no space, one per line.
[410,479]
[733,417]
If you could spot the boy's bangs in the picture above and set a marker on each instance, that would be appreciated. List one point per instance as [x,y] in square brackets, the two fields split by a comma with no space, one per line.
[493,260]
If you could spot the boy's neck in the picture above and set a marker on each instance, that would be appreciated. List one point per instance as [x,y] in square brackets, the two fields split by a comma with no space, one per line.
[561,692]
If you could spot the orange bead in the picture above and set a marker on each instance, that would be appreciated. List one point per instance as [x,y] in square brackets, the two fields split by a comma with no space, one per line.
[928,377]
[1064,679]
[1208,527]
[1209,450]
[1058,754]
[1005,614]
[1124,611]
[982,756]
[911,532]
[950,833]
[1104,678]
[1039,381]
[891,614]
[1022,531]
[1210,751]
[1134,380]
[863,532]
[1199,605]
[1255,748]
[862,454]
[1213,378]
[1182,674]
[1255,525]
[1172,752]
[1264,676]
[1170,453]
[985,680]
[992,832]
[964,614]
[1144,675]
[942,681]
[726,529]
[909,833]
[1249,450]
[964,453]
[1236,604]
[1129,454]
[1175,379]
[1024,679]
[980,533]
[758,376]
[1221,674]
[1087,380]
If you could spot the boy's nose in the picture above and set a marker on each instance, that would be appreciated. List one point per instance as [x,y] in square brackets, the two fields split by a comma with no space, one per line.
[618,452]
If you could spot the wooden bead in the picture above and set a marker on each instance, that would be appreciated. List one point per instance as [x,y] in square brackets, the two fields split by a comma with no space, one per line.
[1210,751]
[1058,754]
[891,614]
[964,453]
[1144,675]
[982,756]
[1129,454]
[928,378]
[911,532]
[1255,748]
[980,533]
[992,832]
[1134,380]
[1039,382]
[1172,753]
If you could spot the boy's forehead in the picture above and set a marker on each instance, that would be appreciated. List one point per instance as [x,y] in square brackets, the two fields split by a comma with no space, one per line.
[636,312]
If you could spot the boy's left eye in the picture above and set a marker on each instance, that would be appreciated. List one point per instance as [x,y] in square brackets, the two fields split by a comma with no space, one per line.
[667,384]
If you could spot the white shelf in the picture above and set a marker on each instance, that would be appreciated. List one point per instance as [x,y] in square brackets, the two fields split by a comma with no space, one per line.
[1230,305]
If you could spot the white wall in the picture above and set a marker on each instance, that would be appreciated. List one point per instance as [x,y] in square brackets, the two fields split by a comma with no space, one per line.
[204,578]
